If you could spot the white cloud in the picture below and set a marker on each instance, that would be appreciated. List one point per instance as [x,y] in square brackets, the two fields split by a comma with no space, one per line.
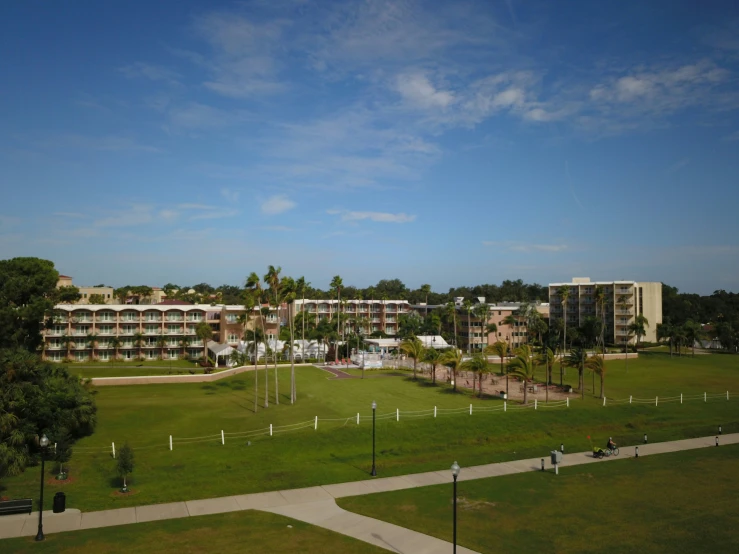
[196,207]
[196,116]
[418,91]
[277,205]
[378,217]
[231,196]
[219,214]
[135,215]
[110,143]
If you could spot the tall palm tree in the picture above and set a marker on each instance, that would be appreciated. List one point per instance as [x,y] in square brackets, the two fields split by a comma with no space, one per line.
[254,285]
[431,356]
[272,278]
[600,305]
[564,295]
[546,358]
[623,305]
[522,365]
[693,333]
[300,287]
[336,285]
[138,340]
[289,288]
[205,333]
[249,304]
[453,360]
[92,340]
[468,308]
[451,310]
[511,321]
[597,365]
[500,348]
[639,328]
[413,348]
[577,359]
[161,343]
[425,290]
[664,331]
[679,336]
[115,343]
[478,365]
[482,312]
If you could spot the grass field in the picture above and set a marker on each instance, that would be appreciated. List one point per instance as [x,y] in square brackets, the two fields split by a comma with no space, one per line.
[681,502]
[248,531]
[340,450]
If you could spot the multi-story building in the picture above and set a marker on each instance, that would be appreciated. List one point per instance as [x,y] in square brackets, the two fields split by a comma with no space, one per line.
[622,301]
[369,316]
[129,332]
[86,292]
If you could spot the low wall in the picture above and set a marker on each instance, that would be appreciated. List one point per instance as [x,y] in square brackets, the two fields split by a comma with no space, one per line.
[168,379]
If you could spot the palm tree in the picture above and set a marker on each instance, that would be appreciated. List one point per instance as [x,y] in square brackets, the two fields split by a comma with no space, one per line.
[431,356]
[511,321]
[205,333]
[300,287]
[115,343]
[639,328]
[482,312]
[500,348]
[254,285]
[272,278]
[451,310]
[92,341]
[597,365]
[336,285]
[185,344]
[249,303]
[413,348]
[679,336]
[467,305]
[577,359]
[522,365]
[161,343]
[138,340]
[478,365]
[289,288]
[693,333]
[425,290]
[664,331]
[564,295]
[546,358]
[453,360]
[600,305]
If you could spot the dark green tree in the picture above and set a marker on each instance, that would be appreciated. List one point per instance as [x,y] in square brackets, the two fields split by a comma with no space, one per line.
[125,464]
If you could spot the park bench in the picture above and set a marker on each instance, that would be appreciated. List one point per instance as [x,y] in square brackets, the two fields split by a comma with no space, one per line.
[10,507]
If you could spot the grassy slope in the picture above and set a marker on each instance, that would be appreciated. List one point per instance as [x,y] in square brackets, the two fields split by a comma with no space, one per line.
[681,502]
[341,450]
[248,531]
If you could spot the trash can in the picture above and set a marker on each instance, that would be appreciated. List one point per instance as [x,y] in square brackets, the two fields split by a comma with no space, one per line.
[503,395]
[60,501]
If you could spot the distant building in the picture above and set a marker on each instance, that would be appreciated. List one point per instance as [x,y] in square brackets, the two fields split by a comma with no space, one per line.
[624,300]
[87,292]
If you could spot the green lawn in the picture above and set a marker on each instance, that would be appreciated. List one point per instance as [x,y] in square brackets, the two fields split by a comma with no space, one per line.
[248,531]
[681,502]
[340,450]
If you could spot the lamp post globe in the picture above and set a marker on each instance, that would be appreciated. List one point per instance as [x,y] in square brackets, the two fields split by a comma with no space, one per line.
[43,443]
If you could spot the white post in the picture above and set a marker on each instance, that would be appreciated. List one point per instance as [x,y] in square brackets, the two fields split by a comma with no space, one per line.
[656,400]
[315,425]
[170,442]
[223,437]
[727,395]
[556,469]
[470,409]
[434,411]
[681,398]
[357,419]
[535,403]
[397,414]
[630,398]
[704,397]
[505,406]
[604,400]
[270,429]
[113,445]
[568,401]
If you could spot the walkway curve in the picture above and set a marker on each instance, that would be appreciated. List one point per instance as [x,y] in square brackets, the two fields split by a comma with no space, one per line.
[317,505]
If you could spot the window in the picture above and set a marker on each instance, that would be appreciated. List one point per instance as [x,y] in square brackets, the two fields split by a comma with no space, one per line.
[151,354]
[172,354]
[152,329]
[59,329]
[233,337]
[103,356]
[105,329]
[174,329]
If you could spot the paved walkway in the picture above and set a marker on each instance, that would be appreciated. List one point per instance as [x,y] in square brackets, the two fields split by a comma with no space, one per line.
[316,505]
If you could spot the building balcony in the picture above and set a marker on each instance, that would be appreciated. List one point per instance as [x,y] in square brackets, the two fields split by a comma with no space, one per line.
[54,347]
[153,320]
[172,319]
[80,346]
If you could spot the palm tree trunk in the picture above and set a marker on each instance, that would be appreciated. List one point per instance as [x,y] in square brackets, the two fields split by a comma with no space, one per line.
[601,385]
[546,385]
[292,358]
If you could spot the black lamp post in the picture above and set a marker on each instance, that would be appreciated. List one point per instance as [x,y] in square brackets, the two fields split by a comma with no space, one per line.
[374,411]
[455,473]
[43,443]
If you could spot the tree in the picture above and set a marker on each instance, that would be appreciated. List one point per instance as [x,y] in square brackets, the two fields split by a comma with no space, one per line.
[272,278]
[638,328]
[92,341]
[693,333]
[451,310]
[453,360]
[431,356]
[564,295]
[413,348]
[336,284]
[467,305]
[300,286]
[68,341]
[500,349]
[577,359]
[27,297]
[161,344]
[115,344]
[510,320]
[425,290]
[600,309]
[125,464]
[522,365]
[96,299]
[478,365]
[254,286]
[546,358]
[482,312]
[289,288]
[205,333]
[138,340]
[62,451]
[38,397]
[597,365]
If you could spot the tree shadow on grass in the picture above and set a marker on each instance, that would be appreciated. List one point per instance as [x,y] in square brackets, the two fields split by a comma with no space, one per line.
[346,462]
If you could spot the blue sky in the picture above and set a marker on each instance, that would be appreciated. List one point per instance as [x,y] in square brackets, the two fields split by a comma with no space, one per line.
[443,142]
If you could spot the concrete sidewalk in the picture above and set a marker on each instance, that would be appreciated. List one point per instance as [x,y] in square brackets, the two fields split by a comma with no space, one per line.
[316,505]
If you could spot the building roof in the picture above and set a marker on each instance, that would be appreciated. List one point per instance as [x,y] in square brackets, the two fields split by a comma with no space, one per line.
[220,349]
[174,302]
[64,277]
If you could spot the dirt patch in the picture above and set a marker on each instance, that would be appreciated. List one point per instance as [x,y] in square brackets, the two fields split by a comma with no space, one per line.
[55,481]
[466,504]
[407,508]
[337,373]
[119,494]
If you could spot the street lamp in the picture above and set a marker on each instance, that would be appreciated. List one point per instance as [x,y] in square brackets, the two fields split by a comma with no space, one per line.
[374,411]
[43,443]
[455,473]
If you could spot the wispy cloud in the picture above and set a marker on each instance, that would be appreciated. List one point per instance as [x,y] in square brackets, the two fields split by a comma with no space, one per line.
[378,217]
[219,214]
[512,246]
[196,207]
[109,143]
[71,215]
[277,205]
[231,196]
[677,166]
[135,215]
[151,72]
[194,116]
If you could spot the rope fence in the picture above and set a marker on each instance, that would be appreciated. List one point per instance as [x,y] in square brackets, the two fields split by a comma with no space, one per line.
[398,415]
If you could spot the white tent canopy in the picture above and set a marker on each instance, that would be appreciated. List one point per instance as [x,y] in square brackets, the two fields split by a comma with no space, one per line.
[219,350]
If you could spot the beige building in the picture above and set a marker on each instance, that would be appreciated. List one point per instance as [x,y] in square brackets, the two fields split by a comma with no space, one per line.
[371,315]
[87,292]
[624,300]
[150,332]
